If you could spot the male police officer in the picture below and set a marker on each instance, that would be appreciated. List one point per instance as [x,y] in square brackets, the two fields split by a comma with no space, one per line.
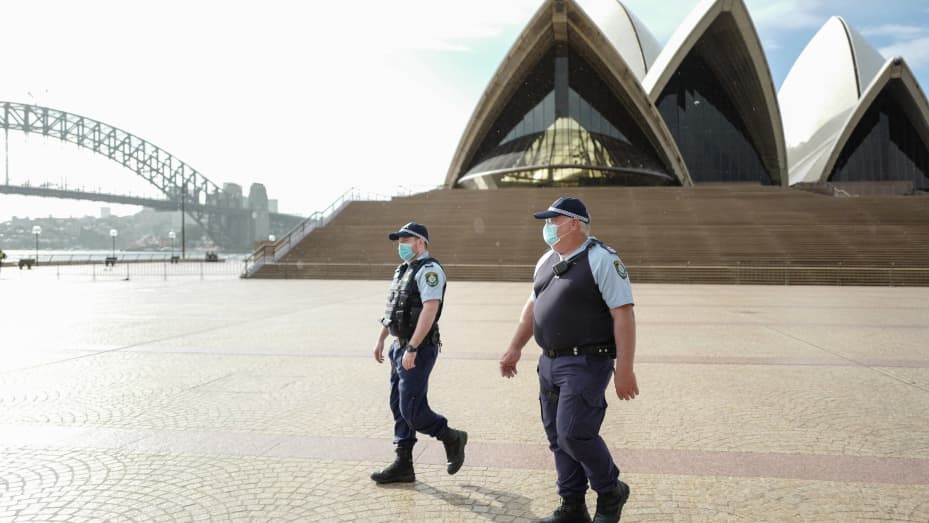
[580,312]
[414,306]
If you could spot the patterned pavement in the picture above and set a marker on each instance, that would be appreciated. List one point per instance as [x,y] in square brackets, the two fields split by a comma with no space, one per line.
[230,400]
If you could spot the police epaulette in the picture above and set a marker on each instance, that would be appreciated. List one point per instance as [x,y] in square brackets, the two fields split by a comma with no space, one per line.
[605,246]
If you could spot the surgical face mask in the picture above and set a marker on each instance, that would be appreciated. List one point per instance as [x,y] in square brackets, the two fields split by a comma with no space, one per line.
[405,250]
[550,234]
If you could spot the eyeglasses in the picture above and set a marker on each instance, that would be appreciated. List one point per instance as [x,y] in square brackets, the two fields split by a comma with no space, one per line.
[551,221]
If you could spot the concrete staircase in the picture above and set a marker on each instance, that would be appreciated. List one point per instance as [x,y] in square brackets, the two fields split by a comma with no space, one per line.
[728,233]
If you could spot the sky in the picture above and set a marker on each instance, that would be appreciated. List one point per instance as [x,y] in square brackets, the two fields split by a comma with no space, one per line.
[312,98]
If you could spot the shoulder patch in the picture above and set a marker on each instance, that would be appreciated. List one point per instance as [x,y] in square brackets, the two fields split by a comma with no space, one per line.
[620,269]
[432,279]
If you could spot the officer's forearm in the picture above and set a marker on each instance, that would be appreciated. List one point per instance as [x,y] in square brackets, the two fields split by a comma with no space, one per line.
[524,329]
[424,323]
[383,334]
[624,334]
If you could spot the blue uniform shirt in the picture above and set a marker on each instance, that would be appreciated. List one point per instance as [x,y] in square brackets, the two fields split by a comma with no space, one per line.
[430,279]
[608,270]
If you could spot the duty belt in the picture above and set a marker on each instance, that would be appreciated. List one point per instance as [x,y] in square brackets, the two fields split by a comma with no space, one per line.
[431,339]
[608,351]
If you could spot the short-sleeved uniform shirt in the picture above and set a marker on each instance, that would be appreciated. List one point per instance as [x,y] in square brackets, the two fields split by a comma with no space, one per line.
[608,271]
[430,279]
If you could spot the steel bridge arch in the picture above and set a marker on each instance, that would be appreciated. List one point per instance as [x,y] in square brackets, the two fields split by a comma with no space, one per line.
[174,178]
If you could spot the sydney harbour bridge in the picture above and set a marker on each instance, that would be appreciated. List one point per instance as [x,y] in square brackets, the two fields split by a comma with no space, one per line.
[230,219]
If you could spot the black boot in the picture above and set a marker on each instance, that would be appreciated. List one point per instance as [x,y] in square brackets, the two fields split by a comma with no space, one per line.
[400,471]
[454,441]
[573,509]
[610,504]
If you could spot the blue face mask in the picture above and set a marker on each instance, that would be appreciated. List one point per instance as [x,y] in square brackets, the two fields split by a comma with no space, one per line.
[550,234]
[405,250]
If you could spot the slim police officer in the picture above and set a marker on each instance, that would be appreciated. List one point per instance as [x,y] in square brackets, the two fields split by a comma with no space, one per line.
[580,313]
[414,305]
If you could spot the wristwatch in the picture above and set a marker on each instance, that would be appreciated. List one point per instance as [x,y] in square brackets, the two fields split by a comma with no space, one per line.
[410,348]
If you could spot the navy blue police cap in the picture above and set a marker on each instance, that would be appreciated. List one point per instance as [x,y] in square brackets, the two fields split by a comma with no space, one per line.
[412,229]
[566,206]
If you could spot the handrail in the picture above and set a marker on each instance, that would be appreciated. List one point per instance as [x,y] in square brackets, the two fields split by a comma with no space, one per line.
[269,252]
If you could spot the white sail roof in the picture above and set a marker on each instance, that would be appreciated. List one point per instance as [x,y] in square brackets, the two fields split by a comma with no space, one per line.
[626,32]
[567,22]
[819,93]
[738,59]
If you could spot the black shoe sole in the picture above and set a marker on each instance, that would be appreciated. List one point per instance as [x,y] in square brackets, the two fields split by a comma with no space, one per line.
[401,479]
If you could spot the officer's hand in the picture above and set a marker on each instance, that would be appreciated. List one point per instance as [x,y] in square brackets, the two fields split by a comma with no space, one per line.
[508,363]
[379,351]
[409,360]
[626,386]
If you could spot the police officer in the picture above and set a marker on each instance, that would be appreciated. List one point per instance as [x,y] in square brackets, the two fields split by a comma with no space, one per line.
[414,305]
[580,313]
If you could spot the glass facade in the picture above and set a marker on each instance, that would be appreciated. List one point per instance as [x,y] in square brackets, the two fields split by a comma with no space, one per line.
[563,127]
[707,128]
[885,146]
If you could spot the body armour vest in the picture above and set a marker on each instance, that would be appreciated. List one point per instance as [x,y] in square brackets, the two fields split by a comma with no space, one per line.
[404,303]
[569,310]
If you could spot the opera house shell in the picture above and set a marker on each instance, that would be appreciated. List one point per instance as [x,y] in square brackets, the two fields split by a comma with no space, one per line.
[851,115]
[586,97]
[566,108]
[714,90]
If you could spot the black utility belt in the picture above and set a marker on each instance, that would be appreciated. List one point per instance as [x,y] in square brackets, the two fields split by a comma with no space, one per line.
[607,351]
[430,339]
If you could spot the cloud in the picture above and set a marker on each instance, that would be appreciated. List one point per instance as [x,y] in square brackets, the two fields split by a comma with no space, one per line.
[896,31]
[444,26]
[770,44]
[915,51]
[786,14]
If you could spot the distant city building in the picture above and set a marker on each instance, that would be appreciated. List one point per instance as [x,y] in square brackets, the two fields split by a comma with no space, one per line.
[584,98]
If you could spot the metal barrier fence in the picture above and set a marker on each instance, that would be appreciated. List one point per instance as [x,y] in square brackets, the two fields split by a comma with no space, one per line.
[101,270]
[677,274]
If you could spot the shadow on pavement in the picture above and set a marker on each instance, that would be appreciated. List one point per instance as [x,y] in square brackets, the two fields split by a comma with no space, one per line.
[493,504]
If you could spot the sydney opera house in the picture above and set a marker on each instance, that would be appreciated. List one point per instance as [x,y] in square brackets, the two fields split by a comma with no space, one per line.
[695,167]
[587,97]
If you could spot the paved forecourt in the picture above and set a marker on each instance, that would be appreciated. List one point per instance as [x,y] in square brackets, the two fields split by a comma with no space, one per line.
[255,400]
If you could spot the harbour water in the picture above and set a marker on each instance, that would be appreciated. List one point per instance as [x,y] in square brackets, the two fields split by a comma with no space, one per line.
[90,256]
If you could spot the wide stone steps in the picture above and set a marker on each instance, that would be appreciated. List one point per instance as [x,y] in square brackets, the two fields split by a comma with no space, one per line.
[737,233]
